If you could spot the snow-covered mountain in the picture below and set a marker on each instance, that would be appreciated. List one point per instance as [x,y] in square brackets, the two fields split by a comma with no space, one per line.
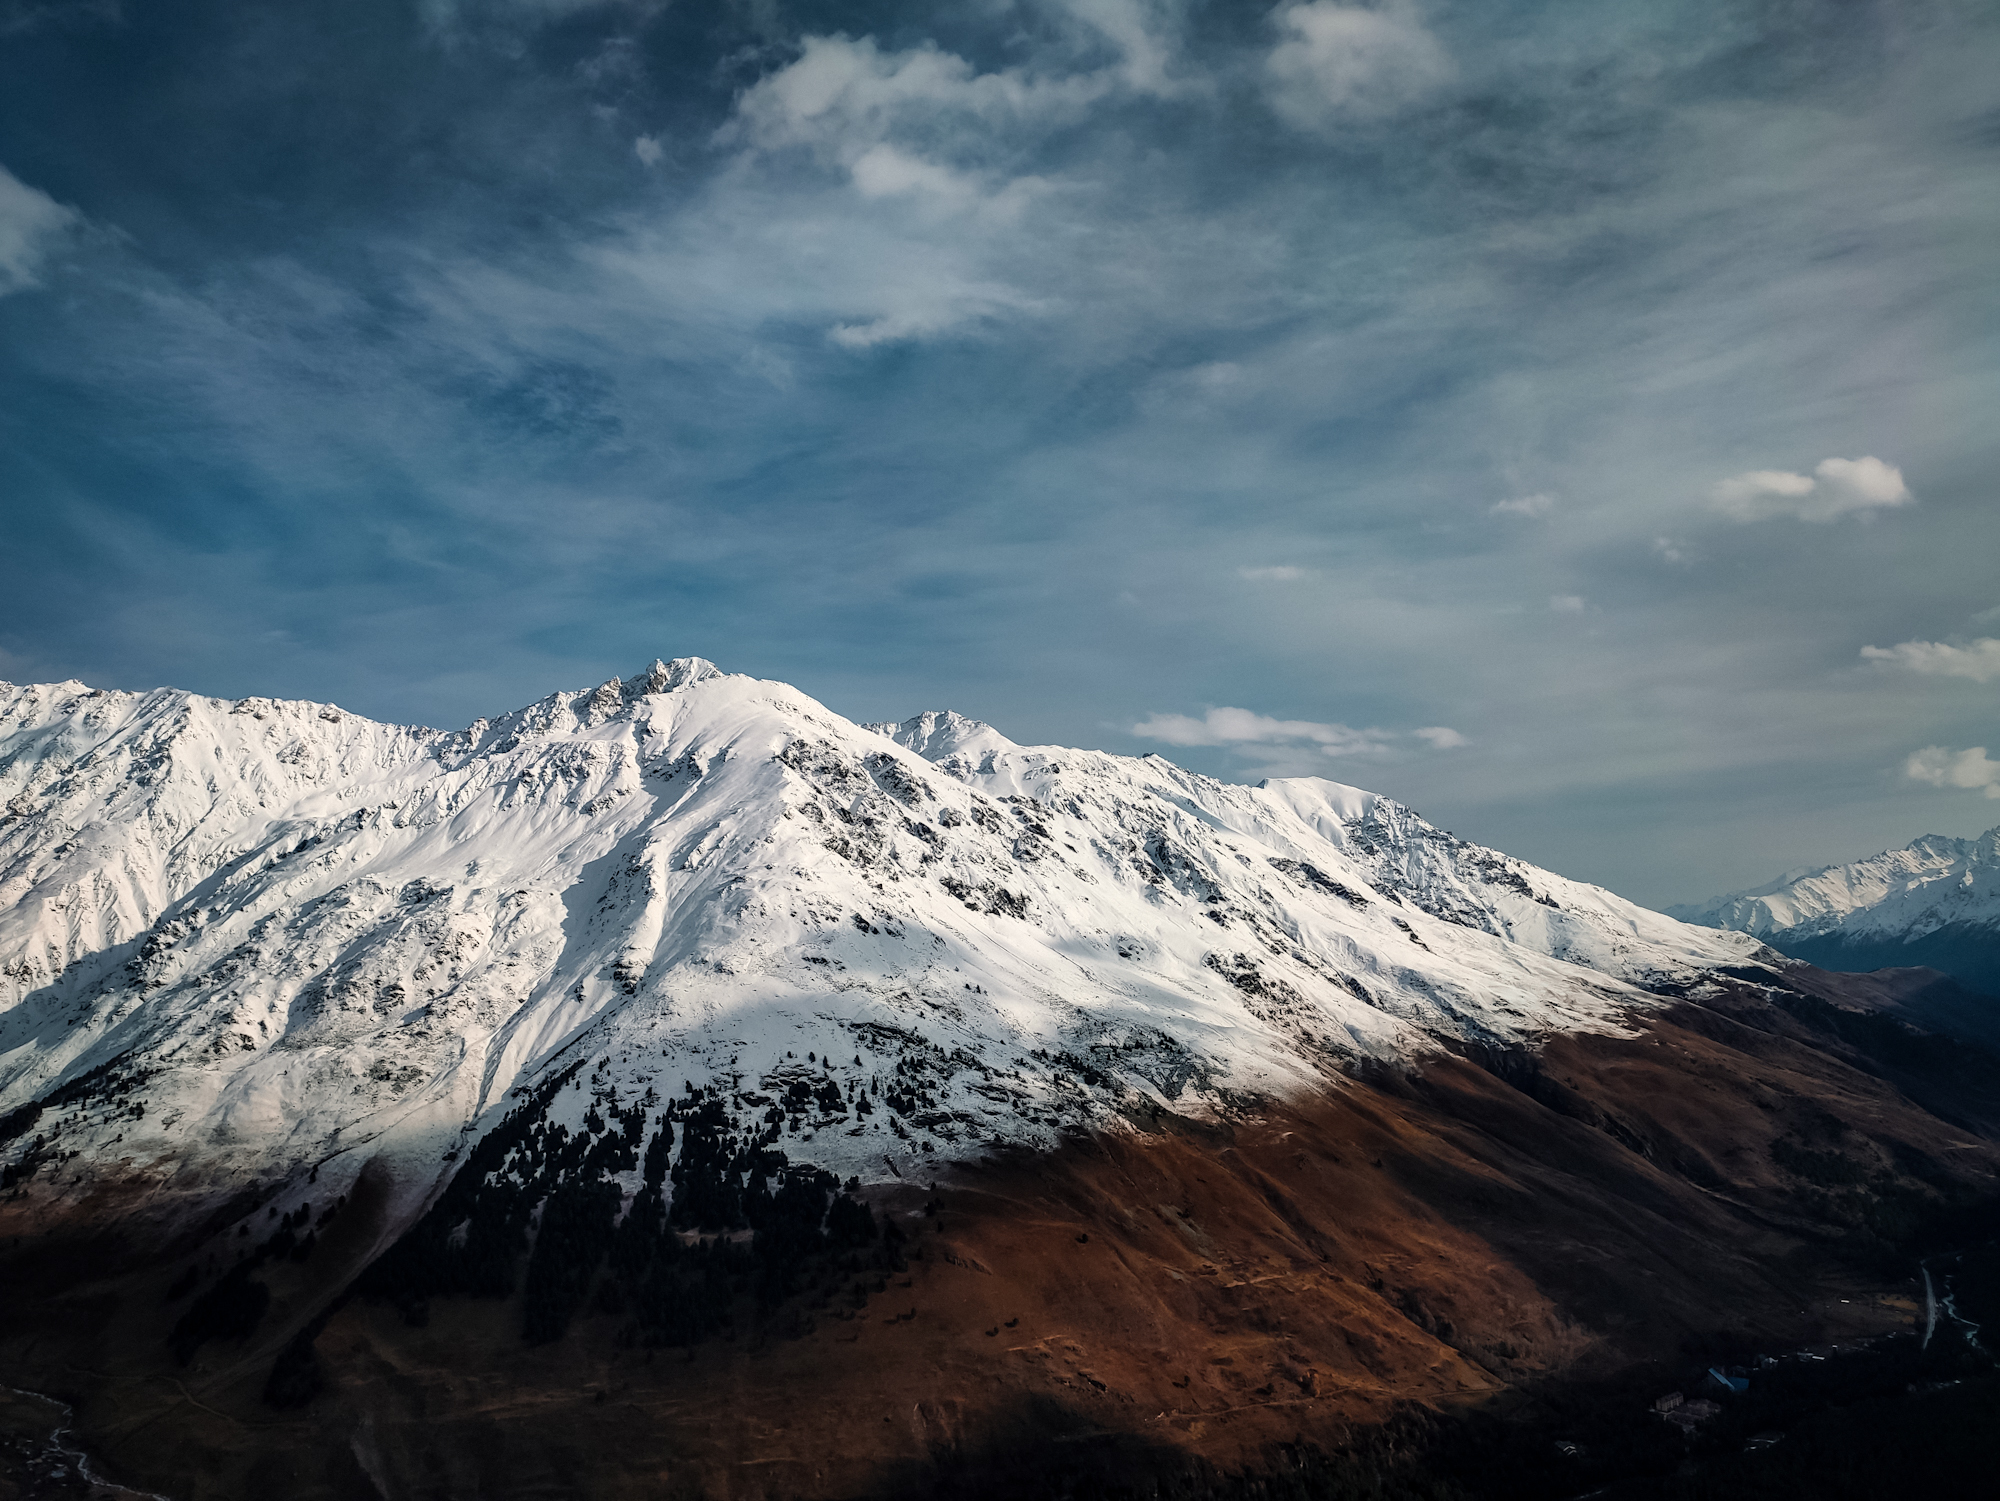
[1934,902]
[241,941]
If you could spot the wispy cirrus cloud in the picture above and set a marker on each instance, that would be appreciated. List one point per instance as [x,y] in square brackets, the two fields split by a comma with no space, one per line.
[31,222]
[1978,660]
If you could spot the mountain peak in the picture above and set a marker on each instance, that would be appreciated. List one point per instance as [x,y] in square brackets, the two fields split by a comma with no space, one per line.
[666,676]
[941,734]
[299,926]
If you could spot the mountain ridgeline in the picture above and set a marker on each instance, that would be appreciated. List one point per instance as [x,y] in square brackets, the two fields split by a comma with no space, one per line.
[1933,903]
[848,1097]
[251,939]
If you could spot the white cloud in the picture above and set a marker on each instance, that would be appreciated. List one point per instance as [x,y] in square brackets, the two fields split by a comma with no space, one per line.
[843,98]
[1527,505]
[1346,62]
[647,149]
[930,309]
[1865,481]
[1978,660]
[884,170]
[30,221]
[1568,604]
[1763,491]
[916,134]
[1669,551]
[1280,573]
[1244,730]
[1441,737]
[1241,727]
[1969,769]
[1842,486]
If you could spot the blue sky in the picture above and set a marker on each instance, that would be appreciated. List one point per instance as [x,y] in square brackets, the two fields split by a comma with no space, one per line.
[1575,420]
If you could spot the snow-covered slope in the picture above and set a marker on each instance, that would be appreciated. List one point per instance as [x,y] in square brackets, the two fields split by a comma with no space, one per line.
[244,938]
[1936,901]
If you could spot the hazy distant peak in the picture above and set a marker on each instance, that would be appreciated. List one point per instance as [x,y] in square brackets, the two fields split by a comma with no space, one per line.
[1929,883]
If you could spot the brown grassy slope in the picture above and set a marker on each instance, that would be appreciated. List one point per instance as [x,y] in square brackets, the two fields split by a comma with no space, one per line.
[1446,1236]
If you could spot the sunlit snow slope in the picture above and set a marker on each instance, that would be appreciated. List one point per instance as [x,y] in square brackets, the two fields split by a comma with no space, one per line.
[246,937]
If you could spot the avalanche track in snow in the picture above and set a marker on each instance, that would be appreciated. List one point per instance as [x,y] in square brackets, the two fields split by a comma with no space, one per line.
[241,942]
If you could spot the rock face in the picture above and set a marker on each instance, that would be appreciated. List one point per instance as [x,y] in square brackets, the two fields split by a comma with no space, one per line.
[244,940]
[1935,902]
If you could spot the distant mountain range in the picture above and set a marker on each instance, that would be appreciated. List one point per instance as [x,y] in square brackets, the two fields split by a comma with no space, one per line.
[1935,902]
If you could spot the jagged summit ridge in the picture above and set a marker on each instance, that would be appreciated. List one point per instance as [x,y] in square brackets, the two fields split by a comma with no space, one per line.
[665,677]
[290,935]
[947,739]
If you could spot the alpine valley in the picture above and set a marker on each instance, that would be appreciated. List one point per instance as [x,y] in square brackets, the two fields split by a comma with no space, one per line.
[674,1088]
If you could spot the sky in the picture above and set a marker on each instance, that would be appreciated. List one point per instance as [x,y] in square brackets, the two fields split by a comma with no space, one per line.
[1576,421]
